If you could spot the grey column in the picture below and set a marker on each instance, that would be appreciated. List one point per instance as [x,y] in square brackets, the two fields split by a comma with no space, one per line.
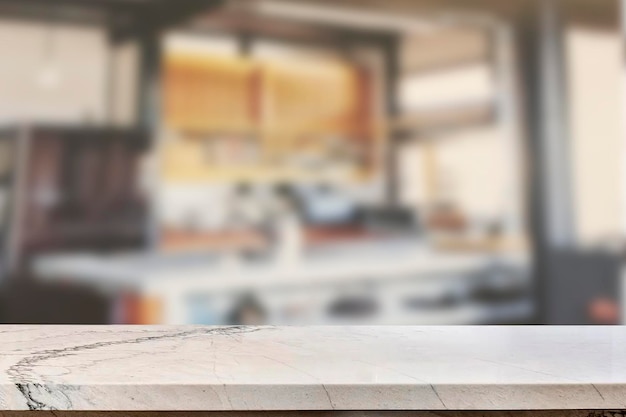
[540,38]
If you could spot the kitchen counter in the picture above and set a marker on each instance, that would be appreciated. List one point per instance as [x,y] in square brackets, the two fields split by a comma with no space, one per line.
[396,268]
[169,273]
[132,368]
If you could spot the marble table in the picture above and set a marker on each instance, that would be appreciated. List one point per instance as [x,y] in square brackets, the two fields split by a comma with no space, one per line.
[278,370]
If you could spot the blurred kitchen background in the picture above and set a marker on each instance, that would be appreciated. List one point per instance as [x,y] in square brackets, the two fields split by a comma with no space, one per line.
[312,162]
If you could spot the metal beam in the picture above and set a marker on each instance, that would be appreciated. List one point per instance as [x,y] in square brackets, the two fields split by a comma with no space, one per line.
[126,18]
[160,15]
[391,52]
[539,37]
[595,12]
[92,12]
[235,22]
[148,103]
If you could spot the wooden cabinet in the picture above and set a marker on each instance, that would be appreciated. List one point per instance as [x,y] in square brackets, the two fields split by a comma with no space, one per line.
[318,99]
[285,105]
[71,187]
[210,94]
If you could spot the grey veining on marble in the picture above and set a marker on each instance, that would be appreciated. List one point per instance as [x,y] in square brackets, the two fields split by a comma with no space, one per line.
[126,368]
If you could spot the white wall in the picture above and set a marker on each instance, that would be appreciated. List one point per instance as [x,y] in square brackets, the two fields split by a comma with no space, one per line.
[595,60]
[469,165]
[473,169]
[471,172]
[453,87]
[79,55]
[124,84]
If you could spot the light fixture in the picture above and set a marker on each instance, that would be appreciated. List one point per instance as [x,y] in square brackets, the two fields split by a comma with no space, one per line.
[358,17]
[350,17]
[49,75]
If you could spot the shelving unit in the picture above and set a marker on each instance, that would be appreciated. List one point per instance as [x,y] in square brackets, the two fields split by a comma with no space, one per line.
[205,94]
[69,187]
[277,107]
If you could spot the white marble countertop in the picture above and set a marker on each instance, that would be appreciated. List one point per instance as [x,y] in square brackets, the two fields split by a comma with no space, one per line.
[128,368]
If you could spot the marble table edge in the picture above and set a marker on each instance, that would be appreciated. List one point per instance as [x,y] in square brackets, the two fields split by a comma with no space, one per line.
[305,397]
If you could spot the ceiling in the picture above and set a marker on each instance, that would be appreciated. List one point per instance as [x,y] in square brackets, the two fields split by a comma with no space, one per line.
[133,18]
[596,12]
[124,18]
